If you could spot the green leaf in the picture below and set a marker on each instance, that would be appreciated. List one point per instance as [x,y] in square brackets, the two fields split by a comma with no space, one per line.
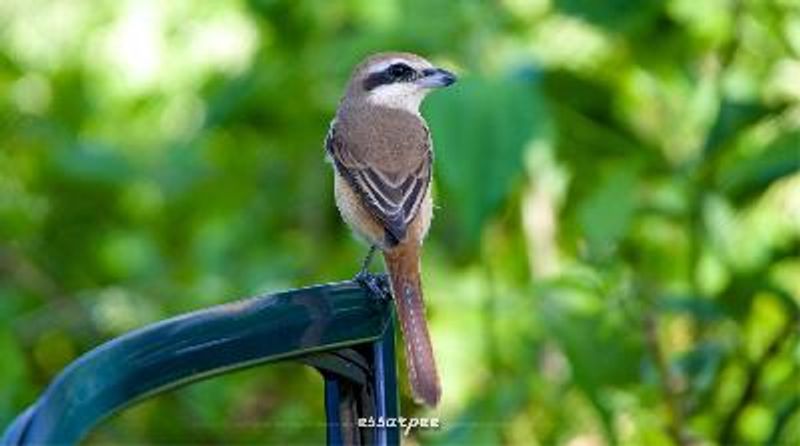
[701,366]
[605,215]
[699,308]
[732,117]
[605,351]
[745,177]
[480,130]
[94,163]
[617,15]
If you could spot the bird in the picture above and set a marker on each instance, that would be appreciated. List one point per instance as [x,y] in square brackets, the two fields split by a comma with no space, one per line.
[381,150]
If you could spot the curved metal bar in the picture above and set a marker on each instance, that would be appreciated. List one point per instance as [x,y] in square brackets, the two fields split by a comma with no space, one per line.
[14,434]
[196,346]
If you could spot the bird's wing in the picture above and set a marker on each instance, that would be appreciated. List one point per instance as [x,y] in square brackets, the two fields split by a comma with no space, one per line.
[393,198]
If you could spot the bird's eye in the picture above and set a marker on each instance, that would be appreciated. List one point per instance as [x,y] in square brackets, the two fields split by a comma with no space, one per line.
[400,71]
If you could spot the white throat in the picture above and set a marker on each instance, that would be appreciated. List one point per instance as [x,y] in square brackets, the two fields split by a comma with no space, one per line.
[403,96]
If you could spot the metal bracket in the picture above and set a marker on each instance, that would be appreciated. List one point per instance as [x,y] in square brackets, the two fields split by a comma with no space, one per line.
[345,330]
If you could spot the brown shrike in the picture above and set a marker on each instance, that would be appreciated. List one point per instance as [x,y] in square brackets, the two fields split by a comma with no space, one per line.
[381,150]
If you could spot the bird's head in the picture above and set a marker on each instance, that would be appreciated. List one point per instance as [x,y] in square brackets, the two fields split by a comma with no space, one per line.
[396,80]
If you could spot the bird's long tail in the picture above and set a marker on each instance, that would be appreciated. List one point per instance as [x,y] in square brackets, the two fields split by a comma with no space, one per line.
[402,262]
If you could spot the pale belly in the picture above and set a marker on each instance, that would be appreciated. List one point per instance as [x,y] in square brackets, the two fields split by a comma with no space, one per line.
[366,227]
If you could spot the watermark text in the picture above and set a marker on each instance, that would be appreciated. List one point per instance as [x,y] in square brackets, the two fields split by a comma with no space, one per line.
[406,424]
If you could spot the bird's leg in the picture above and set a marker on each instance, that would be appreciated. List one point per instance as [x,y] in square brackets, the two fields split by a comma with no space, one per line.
[367,261]
[372,282]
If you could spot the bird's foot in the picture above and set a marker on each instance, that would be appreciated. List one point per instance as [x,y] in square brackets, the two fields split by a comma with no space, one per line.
[376,284]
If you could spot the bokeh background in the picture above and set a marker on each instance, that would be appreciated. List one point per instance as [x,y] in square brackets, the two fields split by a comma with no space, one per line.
[614,258]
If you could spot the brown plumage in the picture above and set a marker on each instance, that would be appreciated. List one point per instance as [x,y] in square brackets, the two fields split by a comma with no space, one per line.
[380,147]
[385,155]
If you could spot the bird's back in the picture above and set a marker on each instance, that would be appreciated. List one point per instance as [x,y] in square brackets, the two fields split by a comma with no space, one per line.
[384,136]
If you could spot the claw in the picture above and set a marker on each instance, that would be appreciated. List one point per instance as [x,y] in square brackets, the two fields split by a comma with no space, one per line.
[375,283]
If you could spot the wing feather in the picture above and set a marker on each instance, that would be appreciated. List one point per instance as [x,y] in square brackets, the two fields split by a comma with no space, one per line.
[392,198]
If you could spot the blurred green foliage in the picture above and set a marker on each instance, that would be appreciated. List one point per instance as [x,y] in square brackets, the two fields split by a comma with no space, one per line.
[615,253]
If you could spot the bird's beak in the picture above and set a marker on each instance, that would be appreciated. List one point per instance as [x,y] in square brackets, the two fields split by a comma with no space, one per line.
[436,78]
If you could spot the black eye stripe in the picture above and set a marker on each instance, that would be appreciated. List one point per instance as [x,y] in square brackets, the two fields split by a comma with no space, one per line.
[397,72]
[375,80]
[400,71]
